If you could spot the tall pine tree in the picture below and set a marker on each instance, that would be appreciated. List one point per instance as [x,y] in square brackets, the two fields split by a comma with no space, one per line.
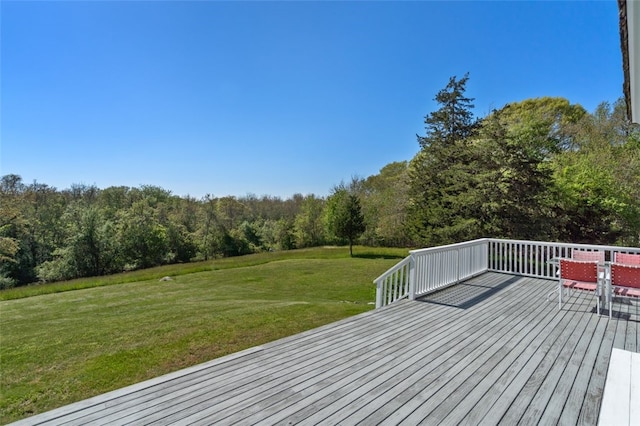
[442,172]
[453,122]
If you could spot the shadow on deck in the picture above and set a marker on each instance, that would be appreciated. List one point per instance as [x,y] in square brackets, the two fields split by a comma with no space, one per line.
[469,293]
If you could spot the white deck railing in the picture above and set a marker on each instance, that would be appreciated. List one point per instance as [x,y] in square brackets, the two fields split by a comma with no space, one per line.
[394,284]
[427,270]
[439,267]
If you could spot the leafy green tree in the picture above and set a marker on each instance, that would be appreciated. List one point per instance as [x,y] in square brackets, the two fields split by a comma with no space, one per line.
[13,234]
[284,234]
[155,195]
[90,248]
[208,246]
[39,209]
[82,192]
[266,232]
[546,125]
[250,232]
[344,216]
[181,243]
[9,245]
[186,213]
[309,225]
[142,238]
[93,243]
[514,148]
[230,212]
[598,180]
[113,199]
[384,199]
[181,222]
[589,200]
[627,176]
[45,209]
[234,243]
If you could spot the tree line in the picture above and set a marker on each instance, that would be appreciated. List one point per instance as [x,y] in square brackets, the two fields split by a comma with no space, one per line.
[48,234]
[540,169]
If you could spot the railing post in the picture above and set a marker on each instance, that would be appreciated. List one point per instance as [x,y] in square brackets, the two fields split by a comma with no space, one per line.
[378,295]
[458,263]
[487,253]
[412,277]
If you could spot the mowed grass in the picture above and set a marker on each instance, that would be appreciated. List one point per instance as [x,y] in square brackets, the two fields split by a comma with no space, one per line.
[63,346]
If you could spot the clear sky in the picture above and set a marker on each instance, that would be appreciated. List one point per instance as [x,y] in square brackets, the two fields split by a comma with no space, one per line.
[271,98]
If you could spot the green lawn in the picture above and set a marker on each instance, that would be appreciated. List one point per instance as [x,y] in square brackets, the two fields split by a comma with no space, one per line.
[59,345]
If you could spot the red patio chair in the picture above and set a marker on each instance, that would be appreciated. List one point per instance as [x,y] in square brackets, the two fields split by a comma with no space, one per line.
[578,275]
[588,255]
[597,256]
[626,258]
[625,282]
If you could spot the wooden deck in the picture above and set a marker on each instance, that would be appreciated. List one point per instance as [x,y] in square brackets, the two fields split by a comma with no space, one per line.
[489,351]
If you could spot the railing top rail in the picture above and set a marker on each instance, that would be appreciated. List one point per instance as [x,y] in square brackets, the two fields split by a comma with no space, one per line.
[542,243]
[568,245]
[449,246]
[393,269]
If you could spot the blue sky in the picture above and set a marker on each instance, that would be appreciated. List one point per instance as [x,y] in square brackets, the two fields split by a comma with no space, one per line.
[271,98]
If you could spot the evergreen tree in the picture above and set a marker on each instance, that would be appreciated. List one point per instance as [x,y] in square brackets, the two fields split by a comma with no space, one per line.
[442,172]
[344,216]
[454,121]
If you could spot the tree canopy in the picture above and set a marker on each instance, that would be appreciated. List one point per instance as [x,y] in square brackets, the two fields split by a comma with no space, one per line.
[538,169]
[541,169]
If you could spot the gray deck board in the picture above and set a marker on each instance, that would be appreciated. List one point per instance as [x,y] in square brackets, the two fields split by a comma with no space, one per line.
[465,370]
[515,396]
[545,379]
[488,351]
[457,407]
[422,351]
[383,388]
[550,403]
[508,377]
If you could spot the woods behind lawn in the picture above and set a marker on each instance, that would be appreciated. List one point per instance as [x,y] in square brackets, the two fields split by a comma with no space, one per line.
[63,342]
